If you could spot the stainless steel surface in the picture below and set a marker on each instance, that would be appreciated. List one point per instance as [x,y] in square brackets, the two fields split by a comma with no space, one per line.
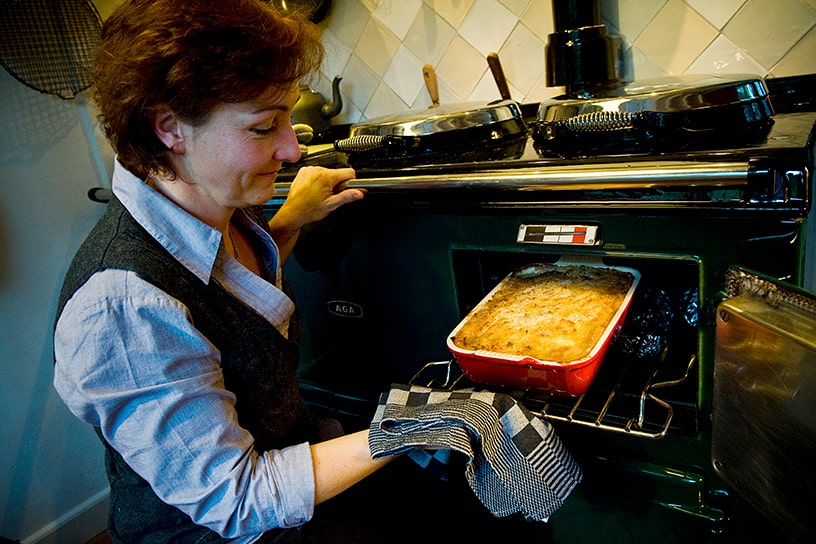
[764,430]
[648,174]
[666,95]
[444,118]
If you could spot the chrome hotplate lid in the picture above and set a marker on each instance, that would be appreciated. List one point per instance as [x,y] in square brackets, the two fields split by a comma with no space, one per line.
[658,113]
[662,95]
[439,118]
[790,137]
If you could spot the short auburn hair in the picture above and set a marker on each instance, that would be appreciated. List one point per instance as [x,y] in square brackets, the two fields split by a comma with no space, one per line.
[192,55]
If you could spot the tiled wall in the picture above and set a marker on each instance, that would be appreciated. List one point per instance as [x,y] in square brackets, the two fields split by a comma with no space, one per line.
[380,46]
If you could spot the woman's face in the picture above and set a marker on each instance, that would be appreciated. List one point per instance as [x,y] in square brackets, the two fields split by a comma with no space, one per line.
[232,160]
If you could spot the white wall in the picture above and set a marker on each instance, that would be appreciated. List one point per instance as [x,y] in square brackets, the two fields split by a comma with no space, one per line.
[53,488]
[51,463]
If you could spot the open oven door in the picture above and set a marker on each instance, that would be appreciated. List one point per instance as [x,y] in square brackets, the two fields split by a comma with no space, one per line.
[764,403]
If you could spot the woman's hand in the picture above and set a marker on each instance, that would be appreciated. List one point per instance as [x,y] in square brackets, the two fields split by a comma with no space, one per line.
[314,194]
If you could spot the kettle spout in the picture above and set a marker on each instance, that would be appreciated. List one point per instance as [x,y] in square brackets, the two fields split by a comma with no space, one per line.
[332,108]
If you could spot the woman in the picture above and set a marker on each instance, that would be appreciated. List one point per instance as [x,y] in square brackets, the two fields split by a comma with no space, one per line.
[175,338]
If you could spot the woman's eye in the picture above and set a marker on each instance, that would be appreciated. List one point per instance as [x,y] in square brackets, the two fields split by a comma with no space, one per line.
[264,131]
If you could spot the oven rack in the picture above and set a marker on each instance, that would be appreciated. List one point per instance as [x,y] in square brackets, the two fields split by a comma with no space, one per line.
[646,412]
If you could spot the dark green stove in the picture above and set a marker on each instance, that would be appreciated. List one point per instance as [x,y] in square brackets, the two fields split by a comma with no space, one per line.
[382,282]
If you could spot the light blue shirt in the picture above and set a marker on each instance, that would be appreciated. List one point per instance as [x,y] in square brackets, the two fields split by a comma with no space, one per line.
[130,361]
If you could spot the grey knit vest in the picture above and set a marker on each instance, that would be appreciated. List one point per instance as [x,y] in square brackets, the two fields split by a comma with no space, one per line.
[258,364]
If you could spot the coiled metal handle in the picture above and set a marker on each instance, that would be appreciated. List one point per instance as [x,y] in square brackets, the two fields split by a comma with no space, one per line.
[600,121]
[363,142]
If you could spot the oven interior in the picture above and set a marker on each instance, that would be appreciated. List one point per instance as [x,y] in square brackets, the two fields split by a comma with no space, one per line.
[647,384]
[380,288]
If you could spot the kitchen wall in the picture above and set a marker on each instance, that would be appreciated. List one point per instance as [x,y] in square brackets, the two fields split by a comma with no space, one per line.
[379,47]
[53,488]
[52,483]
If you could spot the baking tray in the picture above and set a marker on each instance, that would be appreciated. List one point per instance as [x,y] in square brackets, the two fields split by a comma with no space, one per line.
[571,378]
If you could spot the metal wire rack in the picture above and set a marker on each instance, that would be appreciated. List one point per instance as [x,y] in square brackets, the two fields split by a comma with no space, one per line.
[643,411]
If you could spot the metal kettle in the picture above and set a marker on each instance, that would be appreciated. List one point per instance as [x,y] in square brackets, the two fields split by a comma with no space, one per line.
[312,108]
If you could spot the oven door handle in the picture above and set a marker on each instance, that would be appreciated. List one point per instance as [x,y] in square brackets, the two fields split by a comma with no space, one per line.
[630,175]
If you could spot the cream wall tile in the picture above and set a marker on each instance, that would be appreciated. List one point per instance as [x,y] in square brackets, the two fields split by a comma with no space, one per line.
[675,37]
[377,46]
[337,55]
[719,12]
[348,115]
[541,92]
[517,6]
[625,66]
[446,96]
[347,19]
[487,26]
[370,5]
[461,67]
[767,29]
[453,11]
[644,67]
[630,17]
[487,91]
[801,59]
[661,37]
[404,75]
[523,59]
[723,57]
[538,18]
[429,35]
[359,82]
[384,102]
[397,15]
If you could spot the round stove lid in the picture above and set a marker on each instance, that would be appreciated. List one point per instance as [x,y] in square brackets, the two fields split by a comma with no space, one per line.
[662,95]
[441,118]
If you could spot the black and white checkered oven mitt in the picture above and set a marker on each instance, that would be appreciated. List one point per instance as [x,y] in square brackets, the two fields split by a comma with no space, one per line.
[515,461]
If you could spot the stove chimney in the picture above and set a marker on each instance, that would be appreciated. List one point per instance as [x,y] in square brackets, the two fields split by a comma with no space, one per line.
[581,55]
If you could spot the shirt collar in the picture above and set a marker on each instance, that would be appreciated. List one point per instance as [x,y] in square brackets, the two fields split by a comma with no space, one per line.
[191,241]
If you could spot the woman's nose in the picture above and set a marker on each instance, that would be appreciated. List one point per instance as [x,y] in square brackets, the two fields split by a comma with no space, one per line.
[288,149]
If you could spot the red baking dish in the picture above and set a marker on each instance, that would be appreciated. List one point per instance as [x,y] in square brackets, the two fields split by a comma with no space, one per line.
[564,378]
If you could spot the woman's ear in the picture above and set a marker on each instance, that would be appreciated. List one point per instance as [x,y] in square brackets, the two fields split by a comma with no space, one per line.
[168,128]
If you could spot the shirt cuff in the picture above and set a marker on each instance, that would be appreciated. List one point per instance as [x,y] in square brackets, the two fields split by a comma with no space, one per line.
[296,485]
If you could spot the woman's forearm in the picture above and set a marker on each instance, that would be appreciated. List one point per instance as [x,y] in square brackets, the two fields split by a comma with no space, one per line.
[342,462]
[284,235]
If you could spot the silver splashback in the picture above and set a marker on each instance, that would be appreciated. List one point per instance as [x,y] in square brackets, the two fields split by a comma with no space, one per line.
[764,404]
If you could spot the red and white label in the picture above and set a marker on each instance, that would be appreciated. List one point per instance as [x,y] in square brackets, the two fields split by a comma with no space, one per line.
[585,235]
